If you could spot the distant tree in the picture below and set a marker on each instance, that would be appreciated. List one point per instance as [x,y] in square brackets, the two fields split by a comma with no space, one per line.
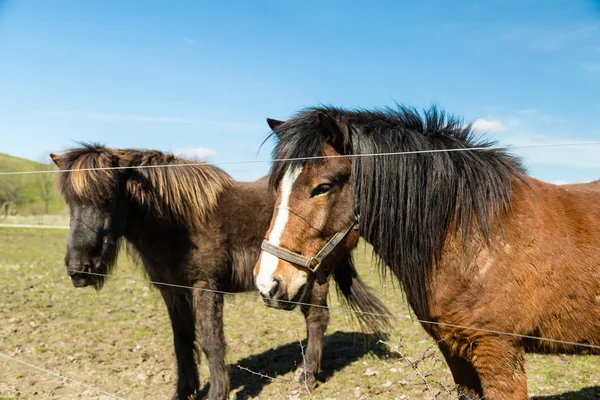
[11,189]
[11,186]
[45,182]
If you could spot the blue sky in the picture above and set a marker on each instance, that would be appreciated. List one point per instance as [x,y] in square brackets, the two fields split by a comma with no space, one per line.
[198,77]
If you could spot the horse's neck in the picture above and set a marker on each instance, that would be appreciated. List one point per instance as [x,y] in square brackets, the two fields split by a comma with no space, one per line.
[243,216]
[163,251]
[135,235]
[142,232]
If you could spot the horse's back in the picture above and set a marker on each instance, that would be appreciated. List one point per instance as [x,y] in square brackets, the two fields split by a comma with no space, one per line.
[540,276]
[585,196]
[559,230]
[587,187]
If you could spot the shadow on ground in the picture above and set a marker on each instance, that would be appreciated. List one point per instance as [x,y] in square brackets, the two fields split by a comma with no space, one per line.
[589,393]
[341,349]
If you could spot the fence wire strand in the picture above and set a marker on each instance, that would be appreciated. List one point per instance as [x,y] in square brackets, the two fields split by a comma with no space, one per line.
[399,153]
[472,328]
[562,342]
[6,356]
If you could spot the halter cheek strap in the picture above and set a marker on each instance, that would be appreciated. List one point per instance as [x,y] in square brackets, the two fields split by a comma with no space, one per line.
[311,263]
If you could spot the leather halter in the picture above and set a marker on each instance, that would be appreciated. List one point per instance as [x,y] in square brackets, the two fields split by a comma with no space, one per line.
[311,263]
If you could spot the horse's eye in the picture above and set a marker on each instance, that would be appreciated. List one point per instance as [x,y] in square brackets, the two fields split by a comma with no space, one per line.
[321,189]
[105,201]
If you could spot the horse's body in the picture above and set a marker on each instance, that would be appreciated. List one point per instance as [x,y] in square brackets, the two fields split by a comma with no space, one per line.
[540,277]
[190,226]
[481,249]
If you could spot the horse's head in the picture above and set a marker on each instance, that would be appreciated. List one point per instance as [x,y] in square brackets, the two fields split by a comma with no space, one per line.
[105,188]
[314,221]
[97,214]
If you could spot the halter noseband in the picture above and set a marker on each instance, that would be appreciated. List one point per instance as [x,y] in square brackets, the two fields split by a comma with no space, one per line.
[311,263]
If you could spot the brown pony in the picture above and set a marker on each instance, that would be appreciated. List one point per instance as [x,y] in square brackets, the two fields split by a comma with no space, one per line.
[191,226]
[479,247]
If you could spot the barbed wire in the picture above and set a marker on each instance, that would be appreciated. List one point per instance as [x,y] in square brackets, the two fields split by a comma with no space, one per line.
[6,356]
[399,153]
[563,342]
[444,324]
[490,331]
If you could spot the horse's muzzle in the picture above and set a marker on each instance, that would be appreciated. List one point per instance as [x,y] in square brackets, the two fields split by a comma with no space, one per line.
[79,279]
[80,273]
[282,303]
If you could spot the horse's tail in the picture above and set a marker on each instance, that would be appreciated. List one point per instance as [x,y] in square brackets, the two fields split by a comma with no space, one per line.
[363,304]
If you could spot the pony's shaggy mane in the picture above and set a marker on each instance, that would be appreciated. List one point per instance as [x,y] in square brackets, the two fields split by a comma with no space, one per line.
[185,195]
[407,203]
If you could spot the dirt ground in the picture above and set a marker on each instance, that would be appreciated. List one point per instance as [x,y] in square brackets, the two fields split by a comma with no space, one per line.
[119,340]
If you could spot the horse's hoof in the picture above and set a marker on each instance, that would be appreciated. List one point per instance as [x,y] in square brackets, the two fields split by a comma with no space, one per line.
[177,397]
[307,381]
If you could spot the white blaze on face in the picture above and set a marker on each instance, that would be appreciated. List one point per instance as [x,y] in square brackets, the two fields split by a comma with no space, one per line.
[268,262]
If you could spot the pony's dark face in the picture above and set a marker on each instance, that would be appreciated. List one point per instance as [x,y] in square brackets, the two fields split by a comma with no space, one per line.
[93,241]
[314,201]
[98,214]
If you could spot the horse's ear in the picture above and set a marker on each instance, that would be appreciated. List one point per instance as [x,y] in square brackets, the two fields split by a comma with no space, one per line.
[274,124]
[335,131]
[56,159]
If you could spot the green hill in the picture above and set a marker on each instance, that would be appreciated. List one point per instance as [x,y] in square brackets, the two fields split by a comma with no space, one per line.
[33,194]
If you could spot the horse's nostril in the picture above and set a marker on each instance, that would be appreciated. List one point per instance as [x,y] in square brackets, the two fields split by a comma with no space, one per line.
[72,267]
[274,288]
[278,289]
[77,267]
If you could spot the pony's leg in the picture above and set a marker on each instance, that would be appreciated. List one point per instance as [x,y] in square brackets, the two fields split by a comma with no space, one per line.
[465,376]
[179,307]
[208,307]
[500,364]
[317,318]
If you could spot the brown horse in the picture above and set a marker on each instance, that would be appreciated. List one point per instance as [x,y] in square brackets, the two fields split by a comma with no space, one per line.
[479,247]
[190,226]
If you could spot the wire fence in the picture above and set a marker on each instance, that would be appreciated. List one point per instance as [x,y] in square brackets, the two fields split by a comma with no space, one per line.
[299,303]
[60,376]
[255,296]
[399,153]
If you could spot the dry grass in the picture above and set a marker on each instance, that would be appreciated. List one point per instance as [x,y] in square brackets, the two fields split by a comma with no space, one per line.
[120,340]
[61,219]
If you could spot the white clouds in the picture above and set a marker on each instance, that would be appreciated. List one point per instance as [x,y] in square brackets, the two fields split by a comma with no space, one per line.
[561,182]
[574,152]
[489,126]
[522,130]
[196,153]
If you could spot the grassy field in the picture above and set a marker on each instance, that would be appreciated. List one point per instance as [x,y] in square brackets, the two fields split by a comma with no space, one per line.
[119,340]
[29,191]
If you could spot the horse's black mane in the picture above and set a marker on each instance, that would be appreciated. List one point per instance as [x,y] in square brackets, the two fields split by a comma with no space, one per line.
[407,203]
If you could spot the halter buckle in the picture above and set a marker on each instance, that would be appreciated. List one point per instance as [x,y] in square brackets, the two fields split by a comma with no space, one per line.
[311,263]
